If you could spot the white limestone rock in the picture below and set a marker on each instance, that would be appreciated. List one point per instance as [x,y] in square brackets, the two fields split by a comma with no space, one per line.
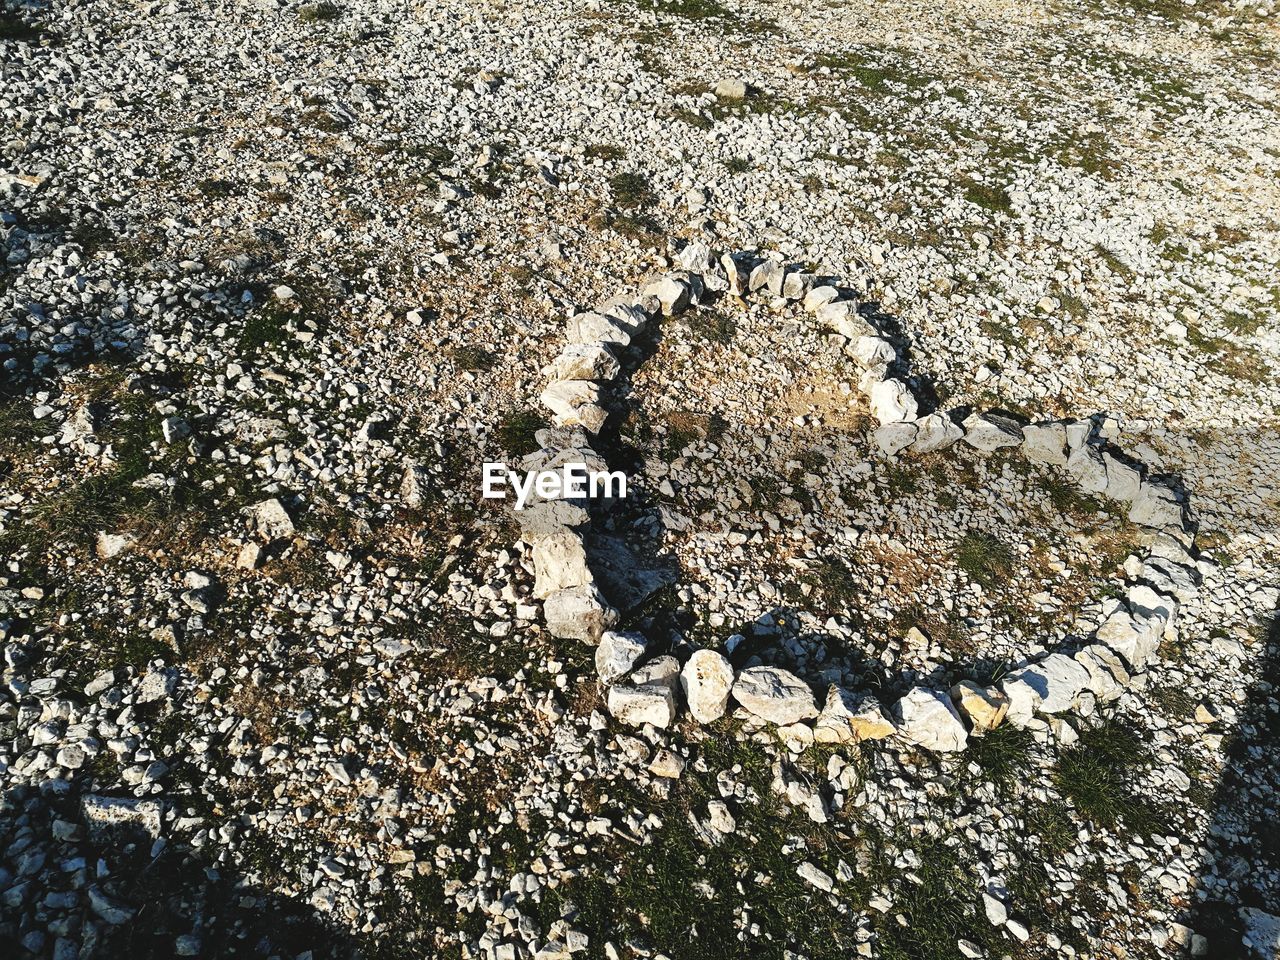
[584,361]
[1157,506]
[730,88]
[892,402]
[871,350]
[735,274]
[848,717]
[596,328]
[638,704]
[671,291]
[578,613]
[1087,470]
[774,694]
[270,520]
[935,432]
[1055,680]
[1171,578]
[1108,676]
[559,563]
[928,719]
[575,403]
[1124,480]
[1134,638]
[707,679]
[991,431]
[983,707]
[893,438]
[617,654]
[767,275]
[1045,443]
[819,297]
[843,317]
[1149,603]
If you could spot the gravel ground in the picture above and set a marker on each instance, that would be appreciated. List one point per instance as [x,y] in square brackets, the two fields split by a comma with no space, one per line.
[278,279]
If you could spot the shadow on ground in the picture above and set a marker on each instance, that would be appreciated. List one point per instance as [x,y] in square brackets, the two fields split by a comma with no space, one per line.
[79,888]
[1240,877]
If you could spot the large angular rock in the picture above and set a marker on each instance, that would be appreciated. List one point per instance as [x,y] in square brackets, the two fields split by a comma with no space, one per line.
[638,704]
[935,432]
[671,291]
[270,520]
[1124,480]
[796,284]
[1023,698]
[664,669]
[597,328]
[819,297]
[849,717]
[1151,604]
[1078,434]
[730,88]
[735,274]
[983,707]
[647,695]
[1134,638]
[575,403]
[1056,681]
[767,275]
[707,679]
[1108,676]
[927,719]
[871,350]
[633,315]
[1087,470]
[1157,506]
[893,438]
[578,613]
[1045,443]
[843,317]
[892,402]
[697,257]
[559,563]
[550,516]
[617,654]
[991,431]
[584,361]
[774,694]
[1172,578]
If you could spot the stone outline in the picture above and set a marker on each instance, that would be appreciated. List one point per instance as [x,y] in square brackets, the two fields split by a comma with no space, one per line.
[1037,691]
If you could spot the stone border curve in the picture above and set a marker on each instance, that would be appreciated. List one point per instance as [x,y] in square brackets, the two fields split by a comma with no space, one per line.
[1076,678]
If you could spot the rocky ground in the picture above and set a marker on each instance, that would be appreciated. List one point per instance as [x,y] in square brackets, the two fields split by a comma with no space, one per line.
[277,279]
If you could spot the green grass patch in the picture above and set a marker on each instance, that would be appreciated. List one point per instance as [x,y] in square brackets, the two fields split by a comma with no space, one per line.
[631,191]
[319,12]
[710,325]
[990,197]
[604,151]
[1097,774]
[517,432]
[472,358]
[985,560]
[1003,754]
